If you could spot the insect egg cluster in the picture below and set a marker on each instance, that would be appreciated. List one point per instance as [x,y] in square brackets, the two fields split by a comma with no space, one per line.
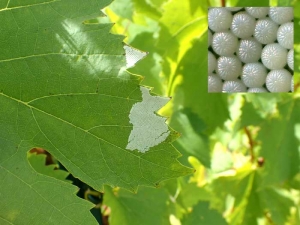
[250,49]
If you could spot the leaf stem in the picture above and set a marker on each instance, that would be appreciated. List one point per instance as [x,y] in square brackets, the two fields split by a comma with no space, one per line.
[223,3]
[296,86]
[251,143]
[268,218]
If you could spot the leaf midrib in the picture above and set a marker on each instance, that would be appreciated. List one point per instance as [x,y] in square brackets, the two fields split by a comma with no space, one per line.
[25,6]
[61,53]
[62,120]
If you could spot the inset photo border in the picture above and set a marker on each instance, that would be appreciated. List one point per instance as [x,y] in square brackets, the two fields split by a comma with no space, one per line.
[250,49]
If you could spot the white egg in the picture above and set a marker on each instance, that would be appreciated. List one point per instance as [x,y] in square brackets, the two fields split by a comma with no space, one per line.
[290,59]
[229,67]
[285,35]
[274,56]
[279,81]
[254,74]
[224,43]
[212,62]
[233,8]
[249,50]
[219,19]
[209,38]
[281,15]
[214,83]
[258,12]
[265,31]
[243,25]
[257,90]
[233,86]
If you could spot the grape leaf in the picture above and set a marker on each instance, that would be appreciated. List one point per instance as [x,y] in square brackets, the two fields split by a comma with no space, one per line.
[38,161]
[150,68]
[277,121]
[264,104]
[123,8]
[149,206]
[278,201]
[186,193]
[142,6]
[237,186]
[284,2]
[249,199]
[209,109]
[264,3]
[280,145]
[261,197]
[64,88]
[183,28]
[202,214]
[192,141]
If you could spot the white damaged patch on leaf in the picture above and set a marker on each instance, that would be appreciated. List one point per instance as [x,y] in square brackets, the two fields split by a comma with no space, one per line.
[149,129]
[133,55]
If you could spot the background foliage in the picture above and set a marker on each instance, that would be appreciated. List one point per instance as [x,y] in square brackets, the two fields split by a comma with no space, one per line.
[244,147]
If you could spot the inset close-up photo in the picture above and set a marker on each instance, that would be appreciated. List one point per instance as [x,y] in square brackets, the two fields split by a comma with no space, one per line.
[250,49]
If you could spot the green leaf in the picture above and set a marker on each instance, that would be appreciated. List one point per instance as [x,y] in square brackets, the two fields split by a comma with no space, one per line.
[190,13]
[297,39]
[157,3]
[190,194]
[211,108]
[123,8]
[296,7]
[148,206]
[295,183]
[142,6]
[264,104]
[230,3]
[253,3]
[237,184]
[64,88]
[177,32]
[193,141]
[150,67]
[284,2]
[221,159]
[202,214]
[250,116]
[279,203]
[37,161]
[184,194]
[253,207]
[271,204]
[279,144]
[214,3]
